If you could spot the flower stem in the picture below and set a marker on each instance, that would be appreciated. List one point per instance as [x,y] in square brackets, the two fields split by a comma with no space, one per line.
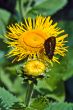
[28,8]
[29,93]
[20,8]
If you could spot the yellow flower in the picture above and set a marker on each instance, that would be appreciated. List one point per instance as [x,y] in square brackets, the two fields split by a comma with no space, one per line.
[34,68]
[27,39]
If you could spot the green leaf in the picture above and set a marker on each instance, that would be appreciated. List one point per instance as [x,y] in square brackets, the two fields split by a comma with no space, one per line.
[39,103]
[4,78]
[60,106]
[52,89]
[59,93]
[2,57]
[49,83]
[2,28]
[46,7]
[2,106]
[15,85]
[4,16]
[7,99]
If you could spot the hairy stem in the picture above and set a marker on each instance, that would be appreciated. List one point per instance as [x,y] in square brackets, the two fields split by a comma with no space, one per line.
[29,93]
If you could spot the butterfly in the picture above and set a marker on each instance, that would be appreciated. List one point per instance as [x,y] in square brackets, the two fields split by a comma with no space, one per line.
[49,46]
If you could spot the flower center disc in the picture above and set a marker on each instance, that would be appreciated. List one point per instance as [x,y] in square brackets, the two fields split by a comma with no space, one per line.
[32,39]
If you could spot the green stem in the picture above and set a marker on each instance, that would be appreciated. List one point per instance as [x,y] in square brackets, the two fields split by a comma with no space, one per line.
[23,12]
[28,8]
[20,8]
[29,93]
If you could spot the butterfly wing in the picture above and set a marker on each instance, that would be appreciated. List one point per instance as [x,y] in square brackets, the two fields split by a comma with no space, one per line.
[49,46]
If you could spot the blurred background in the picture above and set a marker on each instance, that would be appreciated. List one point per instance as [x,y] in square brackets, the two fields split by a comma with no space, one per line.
[12,11]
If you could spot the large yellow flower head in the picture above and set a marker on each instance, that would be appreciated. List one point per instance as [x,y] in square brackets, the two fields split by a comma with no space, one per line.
[27,39]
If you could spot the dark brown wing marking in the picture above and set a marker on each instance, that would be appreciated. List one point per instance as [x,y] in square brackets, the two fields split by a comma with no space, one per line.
[49,46]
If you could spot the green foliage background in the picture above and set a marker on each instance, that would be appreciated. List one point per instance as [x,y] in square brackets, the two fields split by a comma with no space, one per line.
[52,87]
